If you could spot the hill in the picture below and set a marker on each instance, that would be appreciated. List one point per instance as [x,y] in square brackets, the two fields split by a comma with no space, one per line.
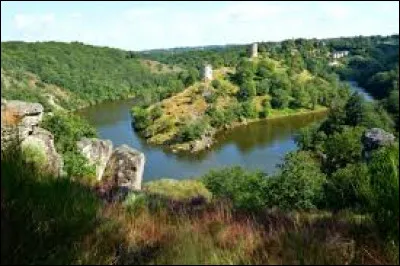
[86,74]
[261,88]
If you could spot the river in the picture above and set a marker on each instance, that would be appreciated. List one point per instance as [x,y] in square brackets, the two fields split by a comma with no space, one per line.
[260,145]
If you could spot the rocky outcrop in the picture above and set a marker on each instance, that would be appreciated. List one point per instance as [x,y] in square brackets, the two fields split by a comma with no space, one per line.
[25,116]
[18,119]
[42,141]
[375,138]
[201,144]
[125,168]
[23,109]
[97,152]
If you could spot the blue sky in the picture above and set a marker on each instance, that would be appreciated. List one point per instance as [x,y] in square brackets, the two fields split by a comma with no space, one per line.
[149,25]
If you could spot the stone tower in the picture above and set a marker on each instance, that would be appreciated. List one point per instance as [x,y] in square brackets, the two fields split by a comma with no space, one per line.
[254,50]
[208,72]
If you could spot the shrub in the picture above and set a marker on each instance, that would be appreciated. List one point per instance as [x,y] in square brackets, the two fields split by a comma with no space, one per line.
[348,188]
[280,99]
[216,84]
[34,154]
[135,203]
[248,110]
[299,184]
[384,171]
[266,109]
[67,130]
[245,189]
[343,148]
[263,87]
[192,131]
[217,117]
[141,117]
[178,189]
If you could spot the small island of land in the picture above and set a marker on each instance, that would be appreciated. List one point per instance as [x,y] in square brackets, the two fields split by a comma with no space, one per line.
[256,89]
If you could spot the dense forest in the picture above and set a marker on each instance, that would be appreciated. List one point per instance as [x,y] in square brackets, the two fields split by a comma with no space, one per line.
[86,74]
[372,61]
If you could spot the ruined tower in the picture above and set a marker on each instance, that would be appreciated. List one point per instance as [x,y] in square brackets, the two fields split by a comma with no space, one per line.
[208,72]
[254,50]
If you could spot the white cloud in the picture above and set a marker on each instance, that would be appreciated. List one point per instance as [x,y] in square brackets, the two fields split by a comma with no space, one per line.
[76,15]
[32,21]
[250,11]
[337,11]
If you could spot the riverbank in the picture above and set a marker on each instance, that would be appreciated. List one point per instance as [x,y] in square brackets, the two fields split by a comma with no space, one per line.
[207,141]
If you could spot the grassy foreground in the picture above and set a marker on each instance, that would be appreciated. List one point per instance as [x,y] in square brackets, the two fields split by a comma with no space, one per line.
[59,221]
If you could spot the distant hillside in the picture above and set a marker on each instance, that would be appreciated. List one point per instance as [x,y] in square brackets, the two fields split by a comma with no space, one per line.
[89,74]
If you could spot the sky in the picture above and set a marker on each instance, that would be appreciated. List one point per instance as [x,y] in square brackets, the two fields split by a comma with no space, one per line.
[150,25]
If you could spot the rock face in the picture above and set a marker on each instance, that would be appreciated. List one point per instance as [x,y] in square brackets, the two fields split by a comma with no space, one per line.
[22,109]
[26,116]
[204,143]
[97,152]
[125,168]
[375,138]
[42,141]
[18,119]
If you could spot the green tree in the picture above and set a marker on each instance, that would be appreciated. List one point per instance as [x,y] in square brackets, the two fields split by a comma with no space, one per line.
[247,91]
[263,87]
[280,99]
[299,183]
[216,84]
[192,131]
[301,98]
[343,148]
[245,189]
[349,187]
[249,110]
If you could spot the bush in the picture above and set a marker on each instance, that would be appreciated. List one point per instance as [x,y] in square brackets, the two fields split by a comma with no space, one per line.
[135,203]
[182,190]
[349,188]
[141,117]
[245,189]
[248,110]
[67,130]
[216,84]
[343,148]
[384,172]
[266,109]
[280,99]
[217,117]
[34,154]
[192,131]
[299,184]
[263,87]
[247,91]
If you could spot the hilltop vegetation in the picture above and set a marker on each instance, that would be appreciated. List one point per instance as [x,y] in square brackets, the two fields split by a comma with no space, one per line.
[83,74]
[262,88]
[374,64]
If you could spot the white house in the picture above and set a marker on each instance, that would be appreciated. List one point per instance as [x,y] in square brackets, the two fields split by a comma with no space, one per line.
[340,54]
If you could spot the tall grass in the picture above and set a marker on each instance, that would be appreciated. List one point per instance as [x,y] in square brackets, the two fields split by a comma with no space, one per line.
[47,220]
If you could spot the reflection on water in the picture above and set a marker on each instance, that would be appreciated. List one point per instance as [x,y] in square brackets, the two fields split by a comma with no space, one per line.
[259,145]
